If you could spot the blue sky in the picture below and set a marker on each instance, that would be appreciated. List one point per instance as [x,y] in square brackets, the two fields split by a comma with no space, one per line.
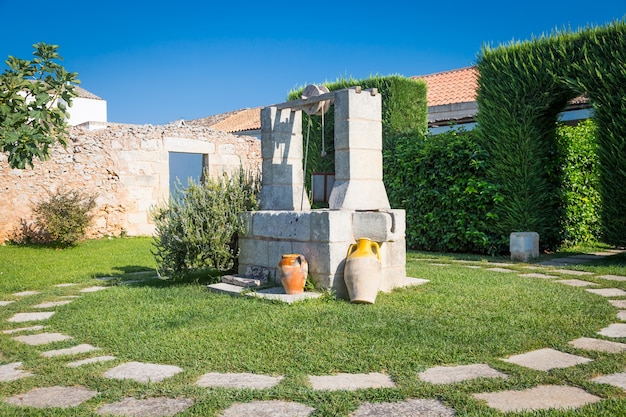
[156,62]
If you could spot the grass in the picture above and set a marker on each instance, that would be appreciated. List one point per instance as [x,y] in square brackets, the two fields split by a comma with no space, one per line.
[462,316]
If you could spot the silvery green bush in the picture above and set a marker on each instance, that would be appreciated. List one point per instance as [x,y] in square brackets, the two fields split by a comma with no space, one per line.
[199,226]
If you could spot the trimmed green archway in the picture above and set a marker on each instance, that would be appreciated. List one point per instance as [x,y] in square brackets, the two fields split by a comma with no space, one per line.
[522,88]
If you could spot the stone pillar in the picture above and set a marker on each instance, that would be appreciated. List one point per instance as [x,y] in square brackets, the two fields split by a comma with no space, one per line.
[358,152]
[282,153]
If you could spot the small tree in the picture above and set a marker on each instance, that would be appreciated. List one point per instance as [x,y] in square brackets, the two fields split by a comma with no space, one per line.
[199,227]
[34,96]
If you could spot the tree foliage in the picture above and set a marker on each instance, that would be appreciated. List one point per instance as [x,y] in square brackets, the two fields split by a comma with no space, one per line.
[34,96]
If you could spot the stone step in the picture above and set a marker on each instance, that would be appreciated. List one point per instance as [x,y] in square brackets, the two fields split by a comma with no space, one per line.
[243,281]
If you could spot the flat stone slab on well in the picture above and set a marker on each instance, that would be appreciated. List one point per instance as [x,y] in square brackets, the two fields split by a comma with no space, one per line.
[576,282]
[142,372]
[5,303]
[83,348]
[87,361]
[614,330]
[24,329]
[617,380]
[351,382]
[453,374]
[94,288]
[272,408]
[546,359]
[618,303]
[24,317]
[239,380]
[26,293]
[10,372]
[607,292]
[613,277]
[62,397]
[149,407]
[42,338]
[542,397]
[571,272]
[538,275]
[51,304]
[408,408]
[598,345]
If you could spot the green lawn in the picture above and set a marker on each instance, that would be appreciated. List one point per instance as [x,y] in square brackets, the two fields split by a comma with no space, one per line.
[461,316]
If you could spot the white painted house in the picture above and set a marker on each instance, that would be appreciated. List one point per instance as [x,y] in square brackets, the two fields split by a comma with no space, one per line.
[88,110]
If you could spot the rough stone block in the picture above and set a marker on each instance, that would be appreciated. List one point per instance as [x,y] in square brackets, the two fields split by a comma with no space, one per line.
[359,134]
[331,226]
[524,246]
[288,225]
[359,164]
[359,195]
[351,105]
[283,197]
[374,225]
[253,252]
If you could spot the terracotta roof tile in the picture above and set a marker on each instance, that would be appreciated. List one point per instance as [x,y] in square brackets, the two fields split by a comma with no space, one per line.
[448,87]
[241,120]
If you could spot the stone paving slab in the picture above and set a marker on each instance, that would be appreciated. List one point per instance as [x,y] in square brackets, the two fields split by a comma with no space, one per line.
[546,359]
[142,372]
[278,293]
[607,292]
[23,317]
[452,374]
[351,382]
[542,397]
[272,408]
[87,361]
[613,277]
[598,345]
[438,264]
[83,348]
[67,284]
[408,408]
[26,293]
[621,315]
[94,288]
[5,303]
[24,329]
[62,397]
[572,260]
[617,380]
[571,272]
[51,304]
[42,338]
[149,407]
[10,372]
[553,263]
[618,303]
[497,269]
[576,282]
[614,330]
[240,380]
[538,275]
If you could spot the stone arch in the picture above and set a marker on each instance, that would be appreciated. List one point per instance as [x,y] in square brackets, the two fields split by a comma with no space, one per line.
[522,89]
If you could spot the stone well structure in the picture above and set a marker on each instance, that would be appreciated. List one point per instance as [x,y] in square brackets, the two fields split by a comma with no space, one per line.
[358,205]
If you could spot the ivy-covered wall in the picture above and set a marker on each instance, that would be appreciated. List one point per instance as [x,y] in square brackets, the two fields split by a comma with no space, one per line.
[522,88]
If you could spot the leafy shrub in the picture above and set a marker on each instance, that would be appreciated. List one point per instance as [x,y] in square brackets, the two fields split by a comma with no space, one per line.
[440,181]
[62,218]
[580,181]
[199,227]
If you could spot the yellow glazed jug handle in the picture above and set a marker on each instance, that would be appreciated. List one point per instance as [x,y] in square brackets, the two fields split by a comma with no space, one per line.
[376,250]
[351,249]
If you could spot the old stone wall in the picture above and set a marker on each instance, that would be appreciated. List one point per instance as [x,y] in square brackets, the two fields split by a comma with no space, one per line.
[126,166]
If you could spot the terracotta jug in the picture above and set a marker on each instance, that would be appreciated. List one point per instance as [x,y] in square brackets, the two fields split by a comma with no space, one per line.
[363,271]
[293,270]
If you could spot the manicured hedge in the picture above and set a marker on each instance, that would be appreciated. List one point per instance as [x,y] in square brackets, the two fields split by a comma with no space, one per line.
[440,180]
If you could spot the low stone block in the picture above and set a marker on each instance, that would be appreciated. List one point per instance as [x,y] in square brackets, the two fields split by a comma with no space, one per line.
[524,246]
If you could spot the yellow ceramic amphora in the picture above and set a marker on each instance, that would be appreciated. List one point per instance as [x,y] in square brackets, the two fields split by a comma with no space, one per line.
[363,271]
